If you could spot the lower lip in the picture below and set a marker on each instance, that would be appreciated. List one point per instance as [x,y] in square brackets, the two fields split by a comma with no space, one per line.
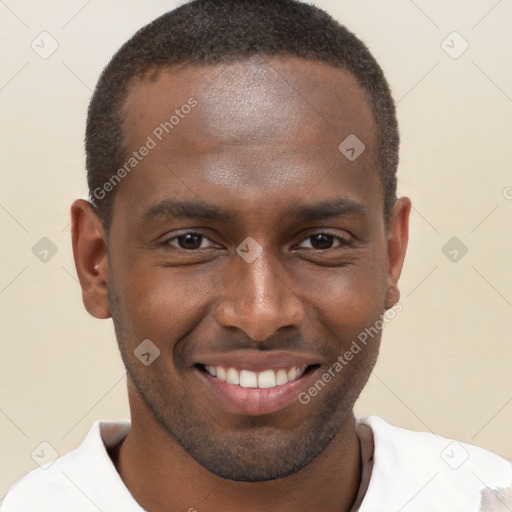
[255,401]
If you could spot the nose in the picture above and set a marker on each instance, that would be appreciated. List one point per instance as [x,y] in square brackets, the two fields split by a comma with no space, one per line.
[259,299]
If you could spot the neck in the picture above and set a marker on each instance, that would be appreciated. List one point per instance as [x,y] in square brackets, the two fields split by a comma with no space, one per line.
[162,476]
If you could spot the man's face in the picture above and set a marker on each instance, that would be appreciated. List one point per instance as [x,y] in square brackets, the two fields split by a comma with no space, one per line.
[260,149]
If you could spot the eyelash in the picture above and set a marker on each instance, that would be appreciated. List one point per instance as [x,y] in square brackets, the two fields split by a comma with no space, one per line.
[343,242]
[169,240]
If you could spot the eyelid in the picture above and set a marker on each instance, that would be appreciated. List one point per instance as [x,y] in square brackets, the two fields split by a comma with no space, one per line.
[343,239]
[167,240]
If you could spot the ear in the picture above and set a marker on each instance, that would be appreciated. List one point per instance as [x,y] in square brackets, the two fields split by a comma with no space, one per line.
[91,257]
[398,236]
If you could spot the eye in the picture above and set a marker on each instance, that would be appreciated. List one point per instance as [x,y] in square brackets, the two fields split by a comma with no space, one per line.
[188,241]
[324,241]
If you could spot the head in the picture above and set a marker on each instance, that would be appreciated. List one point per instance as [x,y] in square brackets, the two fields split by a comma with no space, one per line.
[216,33]
[255,225]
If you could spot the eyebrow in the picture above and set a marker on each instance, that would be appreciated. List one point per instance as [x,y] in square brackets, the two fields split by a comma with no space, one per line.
[176,208]
[329,209]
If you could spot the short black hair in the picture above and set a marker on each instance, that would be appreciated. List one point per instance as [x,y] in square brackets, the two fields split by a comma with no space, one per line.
[211,32]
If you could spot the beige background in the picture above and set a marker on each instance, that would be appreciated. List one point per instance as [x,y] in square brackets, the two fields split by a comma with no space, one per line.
[445,364]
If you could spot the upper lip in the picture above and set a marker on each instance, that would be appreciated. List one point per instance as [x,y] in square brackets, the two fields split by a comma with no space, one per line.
[258,361]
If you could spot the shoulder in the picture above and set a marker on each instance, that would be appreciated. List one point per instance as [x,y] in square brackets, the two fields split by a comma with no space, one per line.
[70,479]
[427,470]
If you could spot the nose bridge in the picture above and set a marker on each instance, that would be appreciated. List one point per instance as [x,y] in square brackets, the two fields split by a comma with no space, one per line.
[259,300]
[263,285]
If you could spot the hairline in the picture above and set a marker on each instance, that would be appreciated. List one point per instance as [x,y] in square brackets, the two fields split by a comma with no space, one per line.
[153,72]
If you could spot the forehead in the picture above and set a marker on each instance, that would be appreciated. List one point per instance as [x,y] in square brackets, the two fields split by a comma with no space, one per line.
[254,98]
[265,125]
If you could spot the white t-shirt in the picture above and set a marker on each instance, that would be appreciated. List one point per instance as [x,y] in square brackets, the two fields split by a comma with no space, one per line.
[407,471]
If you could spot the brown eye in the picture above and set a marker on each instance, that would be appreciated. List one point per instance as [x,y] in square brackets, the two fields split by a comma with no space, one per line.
[324,241]
[188,241]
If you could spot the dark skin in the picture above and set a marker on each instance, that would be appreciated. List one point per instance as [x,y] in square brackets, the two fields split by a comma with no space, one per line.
[262,144]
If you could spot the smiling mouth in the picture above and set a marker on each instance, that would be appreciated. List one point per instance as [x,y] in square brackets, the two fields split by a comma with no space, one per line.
[266,379]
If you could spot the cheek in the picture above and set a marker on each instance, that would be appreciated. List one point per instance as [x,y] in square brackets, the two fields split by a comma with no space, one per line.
[356,288]
[161,303]
[344,302]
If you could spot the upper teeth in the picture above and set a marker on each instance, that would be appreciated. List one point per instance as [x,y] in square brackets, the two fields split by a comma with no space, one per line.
[248,379]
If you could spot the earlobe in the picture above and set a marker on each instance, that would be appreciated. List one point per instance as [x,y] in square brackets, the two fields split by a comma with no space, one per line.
[392,296]
[398,237]
[91,257]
